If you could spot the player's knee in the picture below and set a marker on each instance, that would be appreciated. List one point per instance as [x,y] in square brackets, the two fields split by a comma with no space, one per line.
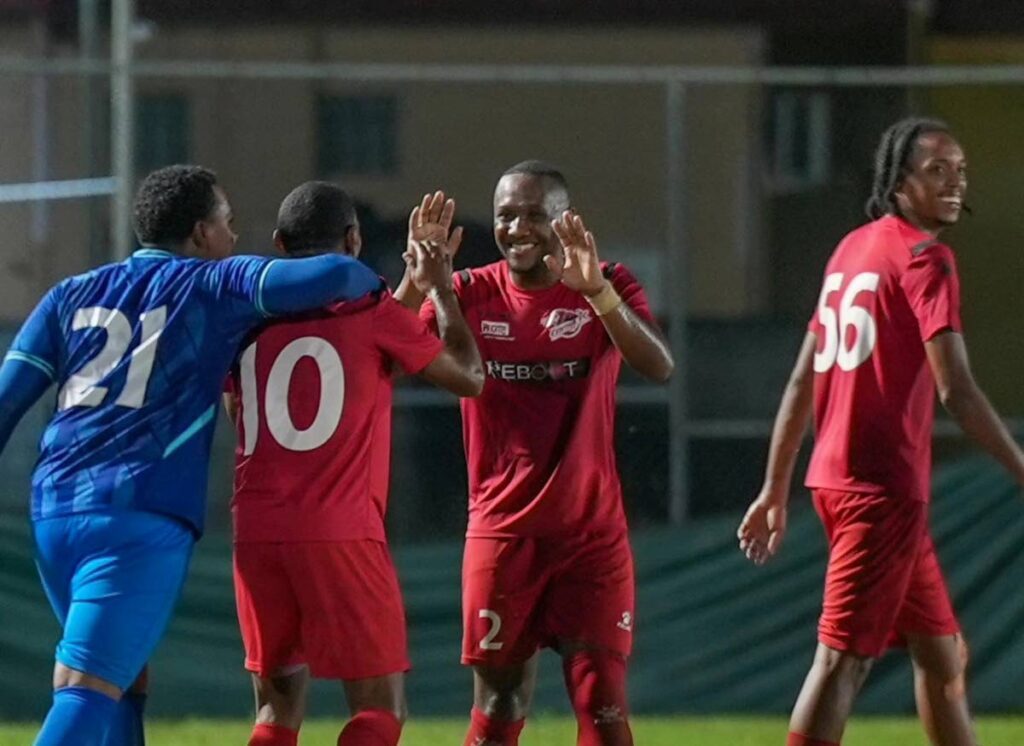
[281,699]
[64,677]
[843,670]
[597,686]
[503,693]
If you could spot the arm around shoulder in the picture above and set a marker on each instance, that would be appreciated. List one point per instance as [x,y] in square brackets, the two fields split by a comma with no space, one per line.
[292,285]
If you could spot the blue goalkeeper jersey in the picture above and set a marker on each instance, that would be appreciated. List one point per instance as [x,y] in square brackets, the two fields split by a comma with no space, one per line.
[139,351]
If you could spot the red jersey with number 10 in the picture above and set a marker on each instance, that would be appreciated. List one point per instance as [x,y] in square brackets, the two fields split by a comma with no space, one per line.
[540,438]
[314,427]
[888,289]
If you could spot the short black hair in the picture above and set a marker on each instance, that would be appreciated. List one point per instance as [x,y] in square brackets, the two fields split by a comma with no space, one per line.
[315,216]
[892,162]
[170,201]
[539,168]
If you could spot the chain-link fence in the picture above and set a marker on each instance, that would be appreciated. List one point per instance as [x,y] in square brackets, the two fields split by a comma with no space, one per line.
[724,188]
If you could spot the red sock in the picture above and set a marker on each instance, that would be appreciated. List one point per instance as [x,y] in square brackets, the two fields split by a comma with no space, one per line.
[371,728]
[273,735]
[798,739]
[596,680]
[486,731]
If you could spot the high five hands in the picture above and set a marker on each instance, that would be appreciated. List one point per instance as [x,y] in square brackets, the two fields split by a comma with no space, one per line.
[431,220]
[431,243]
[580,267]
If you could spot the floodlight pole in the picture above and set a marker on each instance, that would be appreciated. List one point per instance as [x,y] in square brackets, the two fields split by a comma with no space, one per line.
[677,298]
[122,125]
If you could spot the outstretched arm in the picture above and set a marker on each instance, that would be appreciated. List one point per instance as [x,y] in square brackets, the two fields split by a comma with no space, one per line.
[457,366]
[641,343]
[965,401]
[764,525]
[294,285]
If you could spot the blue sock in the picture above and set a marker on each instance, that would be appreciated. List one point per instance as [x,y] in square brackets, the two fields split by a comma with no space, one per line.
[78,717]
[126,729]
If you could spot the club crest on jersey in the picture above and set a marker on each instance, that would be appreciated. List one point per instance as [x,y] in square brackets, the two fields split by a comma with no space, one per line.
[496,329]
[566,323]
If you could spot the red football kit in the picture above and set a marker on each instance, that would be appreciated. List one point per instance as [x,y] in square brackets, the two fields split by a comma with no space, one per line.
[547,554]
[314,581]
[888,289]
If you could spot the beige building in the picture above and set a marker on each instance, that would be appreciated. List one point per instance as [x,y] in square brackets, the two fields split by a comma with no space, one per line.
[388,143]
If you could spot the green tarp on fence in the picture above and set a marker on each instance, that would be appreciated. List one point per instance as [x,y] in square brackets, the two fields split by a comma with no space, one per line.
[714,634]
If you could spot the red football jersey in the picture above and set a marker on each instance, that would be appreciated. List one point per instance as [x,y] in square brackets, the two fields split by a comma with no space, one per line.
[539,439]
[314,427]
[888,289]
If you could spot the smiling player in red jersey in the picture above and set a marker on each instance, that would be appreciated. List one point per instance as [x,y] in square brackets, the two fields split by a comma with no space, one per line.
[885,336]
[547,560]
[316,590]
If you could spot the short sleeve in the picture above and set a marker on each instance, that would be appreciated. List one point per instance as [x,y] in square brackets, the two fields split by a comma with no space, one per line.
[630,290]
[932,288]
[39,341]
[404,337]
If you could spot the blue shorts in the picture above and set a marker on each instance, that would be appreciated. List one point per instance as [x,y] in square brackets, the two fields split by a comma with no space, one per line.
[113,580]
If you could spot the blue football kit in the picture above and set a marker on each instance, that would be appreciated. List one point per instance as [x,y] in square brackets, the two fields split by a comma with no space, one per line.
[139,351]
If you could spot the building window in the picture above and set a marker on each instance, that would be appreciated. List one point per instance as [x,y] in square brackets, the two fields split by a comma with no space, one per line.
[800,141]
[357,135]
[162,131]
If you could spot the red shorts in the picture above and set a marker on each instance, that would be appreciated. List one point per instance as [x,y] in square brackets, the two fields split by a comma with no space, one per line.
[883,580]
[522,594]
[334,606]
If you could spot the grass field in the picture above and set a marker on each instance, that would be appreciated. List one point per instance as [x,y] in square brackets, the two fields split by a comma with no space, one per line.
[732,731]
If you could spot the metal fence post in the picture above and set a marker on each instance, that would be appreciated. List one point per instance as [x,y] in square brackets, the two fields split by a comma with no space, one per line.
[122,125]
[678,298]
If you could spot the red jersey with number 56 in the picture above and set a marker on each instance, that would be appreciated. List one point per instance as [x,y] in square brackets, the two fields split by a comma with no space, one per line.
[888,289]
[314,427]
[540,438]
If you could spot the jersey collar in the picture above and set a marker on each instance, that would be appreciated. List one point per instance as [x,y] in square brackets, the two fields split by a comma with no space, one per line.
[150,252]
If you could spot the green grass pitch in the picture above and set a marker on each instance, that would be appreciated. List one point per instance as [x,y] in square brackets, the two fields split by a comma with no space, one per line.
[551,731]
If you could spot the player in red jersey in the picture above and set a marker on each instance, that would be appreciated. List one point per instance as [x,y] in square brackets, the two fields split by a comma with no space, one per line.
[547,560]
[316,590]
[885,336]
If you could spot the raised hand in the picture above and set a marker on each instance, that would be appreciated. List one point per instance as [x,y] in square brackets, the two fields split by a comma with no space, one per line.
[763,528]
[429,263]
[580,267]
[431,220]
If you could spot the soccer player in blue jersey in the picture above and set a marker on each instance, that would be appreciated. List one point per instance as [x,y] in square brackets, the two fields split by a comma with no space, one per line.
[139,351]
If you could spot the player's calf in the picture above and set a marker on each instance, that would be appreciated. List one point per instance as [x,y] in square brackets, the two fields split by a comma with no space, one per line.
[280,707]
[79,715]
[596,680]
[501,700]
[379,711]
[940,665]
[827,696]
[127,728]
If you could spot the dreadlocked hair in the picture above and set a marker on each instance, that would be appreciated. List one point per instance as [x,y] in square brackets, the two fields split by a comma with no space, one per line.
[891,162]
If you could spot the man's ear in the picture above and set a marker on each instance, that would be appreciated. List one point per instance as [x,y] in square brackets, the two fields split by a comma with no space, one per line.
[353,241]
[279,242]
[198,236]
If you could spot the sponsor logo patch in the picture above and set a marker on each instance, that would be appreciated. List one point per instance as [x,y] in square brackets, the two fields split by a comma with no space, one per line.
[566,323]
[496,329]
[540,372]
